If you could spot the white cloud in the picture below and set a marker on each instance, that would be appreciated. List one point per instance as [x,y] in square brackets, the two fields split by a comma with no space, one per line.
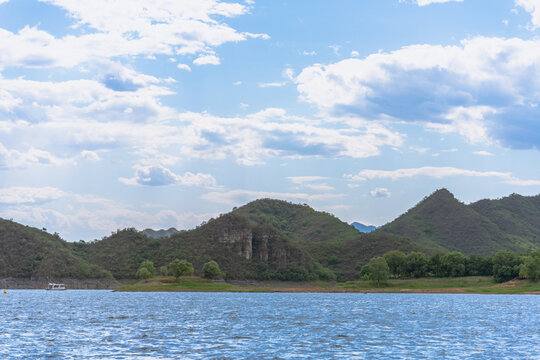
[380,192]
[207,60]
[308,182]
[46,207]
[533,8]
[437,173]
[65,118]
[272,84]
[288,73]
[158,175]
[183,67]
[355,53]
[126,28]
[468,122]
[485,88]
[28,195]
[235,197]
[482,153]
[309,53]
[90,155]
[419,149]
[11,158]
[429,2]
[237,83]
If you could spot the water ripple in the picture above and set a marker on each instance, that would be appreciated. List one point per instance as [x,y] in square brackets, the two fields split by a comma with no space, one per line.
[108,325]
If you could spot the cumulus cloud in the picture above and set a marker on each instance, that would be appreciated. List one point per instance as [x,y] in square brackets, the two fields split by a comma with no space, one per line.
[235,197]
[86,213]
[29,195]
[484,88]
[125,28]
[65,118]
[380,192]
[158,175]
[533,8]
[207,60]
[183,67]
[437,173]
[273,133]
[12,159]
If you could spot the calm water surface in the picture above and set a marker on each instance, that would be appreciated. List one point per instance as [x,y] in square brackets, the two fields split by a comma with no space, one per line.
[109,325]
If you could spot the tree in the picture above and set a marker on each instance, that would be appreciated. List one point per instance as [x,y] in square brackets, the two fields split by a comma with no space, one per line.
[396,262]
[453,264]
[530,268]
[181,267]
[146,270]
[415,264]
[434,266]
[143,274]
[211,270]
[379,270]
[477,265]
[164,270]
[505,266]
[365,272]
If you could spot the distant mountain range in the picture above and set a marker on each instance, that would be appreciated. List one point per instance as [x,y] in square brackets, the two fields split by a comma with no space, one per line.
[274,239]
[363,228]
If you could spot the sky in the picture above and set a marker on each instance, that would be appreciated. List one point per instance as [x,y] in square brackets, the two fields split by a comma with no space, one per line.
[166,113]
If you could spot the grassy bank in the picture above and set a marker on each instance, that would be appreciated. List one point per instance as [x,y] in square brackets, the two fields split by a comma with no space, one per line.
[471,284]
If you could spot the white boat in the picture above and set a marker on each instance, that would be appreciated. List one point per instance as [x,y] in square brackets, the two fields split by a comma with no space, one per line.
[53,286]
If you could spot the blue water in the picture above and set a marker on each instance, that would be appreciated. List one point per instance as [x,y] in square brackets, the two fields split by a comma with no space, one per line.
[109,325]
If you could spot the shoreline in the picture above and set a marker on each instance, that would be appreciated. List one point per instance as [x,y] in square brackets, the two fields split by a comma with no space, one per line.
[471,285]
[342,291]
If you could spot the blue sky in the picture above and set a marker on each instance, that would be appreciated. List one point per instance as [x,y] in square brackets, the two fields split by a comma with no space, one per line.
[166,113]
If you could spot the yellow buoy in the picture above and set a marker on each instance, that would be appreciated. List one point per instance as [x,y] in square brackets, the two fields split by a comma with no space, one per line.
[5,291]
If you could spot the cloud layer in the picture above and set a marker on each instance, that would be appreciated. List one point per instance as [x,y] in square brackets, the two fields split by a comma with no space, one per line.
[485,89]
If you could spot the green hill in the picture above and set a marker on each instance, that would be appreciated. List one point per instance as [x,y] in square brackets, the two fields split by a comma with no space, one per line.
[442,222]
[26,252]
[265,239]
[330,241]
[517,216]
[274,239]
[300,223]
[243,249]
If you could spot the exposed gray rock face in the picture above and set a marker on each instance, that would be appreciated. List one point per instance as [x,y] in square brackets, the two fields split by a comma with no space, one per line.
[240,240]
[261,243]
[41,283]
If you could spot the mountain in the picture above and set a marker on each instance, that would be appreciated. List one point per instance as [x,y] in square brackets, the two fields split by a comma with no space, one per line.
[330,241]
[242,249]
[265,239]
[516,215]
[27,252]
[363,228]
[443,223]
[274,239]
[157,234]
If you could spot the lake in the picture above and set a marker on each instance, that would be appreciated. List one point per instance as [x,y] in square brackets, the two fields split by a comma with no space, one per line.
[103,324]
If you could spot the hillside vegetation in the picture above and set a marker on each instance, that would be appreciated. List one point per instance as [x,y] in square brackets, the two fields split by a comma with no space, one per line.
[277,240]
[443,223]
[26,252]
